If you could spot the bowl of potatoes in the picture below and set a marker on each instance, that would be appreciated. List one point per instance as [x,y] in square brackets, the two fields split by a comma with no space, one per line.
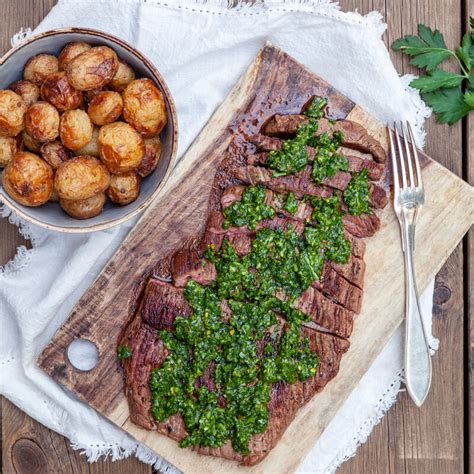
[88,130]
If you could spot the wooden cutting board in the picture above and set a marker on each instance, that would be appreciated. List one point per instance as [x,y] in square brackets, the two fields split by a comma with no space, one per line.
[273,83]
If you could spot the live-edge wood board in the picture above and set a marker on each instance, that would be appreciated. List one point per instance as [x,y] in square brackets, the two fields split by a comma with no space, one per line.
[273,82]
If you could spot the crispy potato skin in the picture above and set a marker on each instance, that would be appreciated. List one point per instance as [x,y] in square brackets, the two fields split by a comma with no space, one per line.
[55,154]
[30,143]
[39,67]
[121,147]
[124,188]
[75,129]
[92,147]
[144,108]
[42,122]
[8,147]
[81,178]
[105,107]
[70,51]
[57,91]
[93,68]
[28,179]
[123,77]
[12,113]
[152,156]
[84,208]
[28,91]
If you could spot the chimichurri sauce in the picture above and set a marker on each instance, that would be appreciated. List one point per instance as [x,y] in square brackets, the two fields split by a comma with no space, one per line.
[244,333]
[356,195]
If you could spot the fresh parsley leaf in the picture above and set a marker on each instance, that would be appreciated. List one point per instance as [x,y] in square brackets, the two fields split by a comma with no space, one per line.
[471,22]
[428,49]
[469,99]
[448,104]
[437,80]
[466,52]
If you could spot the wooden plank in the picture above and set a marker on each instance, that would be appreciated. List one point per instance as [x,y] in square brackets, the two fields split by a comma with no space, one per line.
[27,446]
[99,315]
[469,276]
[405,429]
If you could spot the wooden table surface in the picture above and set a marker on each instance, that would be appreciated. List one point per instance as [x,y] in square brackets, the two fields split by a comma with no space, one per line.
[437,438]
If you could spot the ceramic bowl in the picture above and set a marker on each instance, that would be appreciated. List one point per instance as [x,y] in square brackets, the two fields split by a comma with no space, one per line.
[50,215]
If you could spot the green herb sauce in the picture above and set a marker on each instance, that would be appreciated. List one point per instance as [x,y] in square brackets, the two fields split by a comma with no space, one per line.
[124,352]
[249,210]
[356,195]
[291,204]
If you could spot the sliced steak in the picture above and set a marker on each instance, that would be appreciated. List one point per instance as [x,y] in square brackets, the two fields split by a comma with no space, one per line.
[353,271]
[263,142]
[378,197]
[286,399]
[355,135]
[340,180]
[326,313]
[300,183]
[357,245]
[339,289]
[365,225]
[187,264]
[357,164]
[161,303]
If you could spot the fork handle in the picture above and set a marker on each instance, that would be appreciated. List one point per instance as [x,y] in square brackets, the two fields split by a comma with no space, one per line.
[417,352]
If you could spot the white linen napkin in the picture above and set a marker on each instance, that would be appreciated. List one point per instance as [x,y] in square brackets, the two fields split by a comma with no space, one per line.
[201,48]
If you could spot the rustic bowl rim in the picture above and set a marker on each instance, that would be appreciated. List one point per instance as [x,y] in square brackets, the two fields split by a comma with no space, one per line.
[173,118]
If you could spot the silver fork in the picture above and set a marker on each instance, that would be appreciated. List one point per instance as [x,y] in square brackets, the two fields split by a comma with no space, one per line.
[408,200]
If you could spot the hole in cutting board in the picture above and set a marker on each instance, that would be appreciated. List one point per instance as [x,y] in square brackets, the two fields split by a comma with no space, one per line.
[83,354]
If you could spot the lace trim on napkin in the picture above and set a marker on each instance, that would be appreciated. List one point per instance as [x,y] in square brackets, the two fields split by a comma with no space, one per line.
[228,7]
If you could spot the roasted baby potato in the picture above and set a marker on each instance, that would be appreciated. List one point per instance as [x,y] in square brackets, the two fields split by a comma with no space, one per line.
[28,91]
[124,188]
[12,113]
[28,179]
[105,107]
[8,147]
[144,108]
[42,122]
[30,143]
[39,67]
[75,129]
[70,51]
[55,154]
[57,91]
[123,77]
[93,68]
[84,208]
[92,147]
[81,178]
[152,156]
[121,147]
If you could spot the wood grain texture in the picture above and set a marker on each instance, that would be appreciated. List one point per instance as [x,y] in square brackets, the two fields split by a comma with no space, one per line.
[101,312]
[386,444]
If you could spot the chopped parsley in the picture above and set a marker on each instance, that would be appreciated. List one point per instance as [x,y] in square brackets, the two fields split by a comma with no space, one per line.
[124,352]
[356,195]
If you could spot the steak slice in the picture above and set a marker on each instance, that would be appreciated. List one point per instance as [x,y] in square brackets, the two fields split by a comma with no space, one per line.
[357,164]
[264,142]
[357,245]
[364,225]
[339,289]
[378,197]
[353,271]
[300,183]
[355,135]
[326,313]
[161,303]
[187,264]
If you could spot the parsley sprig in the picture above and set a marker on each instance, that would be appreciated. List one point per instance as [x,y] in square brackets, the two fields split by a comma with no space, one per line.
[449,94]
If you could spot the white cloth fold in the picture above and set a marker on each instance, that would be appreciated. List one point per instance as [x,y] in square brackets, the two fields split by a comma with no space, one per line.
[201,48]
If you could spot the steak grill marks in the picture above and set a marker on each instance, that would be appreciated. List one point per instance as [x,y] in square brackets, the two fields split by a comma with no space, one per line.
[331,302]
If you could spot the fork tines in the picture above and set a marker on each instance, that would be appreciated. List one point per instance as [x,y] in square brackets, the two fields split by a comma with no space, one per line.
[406,154]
